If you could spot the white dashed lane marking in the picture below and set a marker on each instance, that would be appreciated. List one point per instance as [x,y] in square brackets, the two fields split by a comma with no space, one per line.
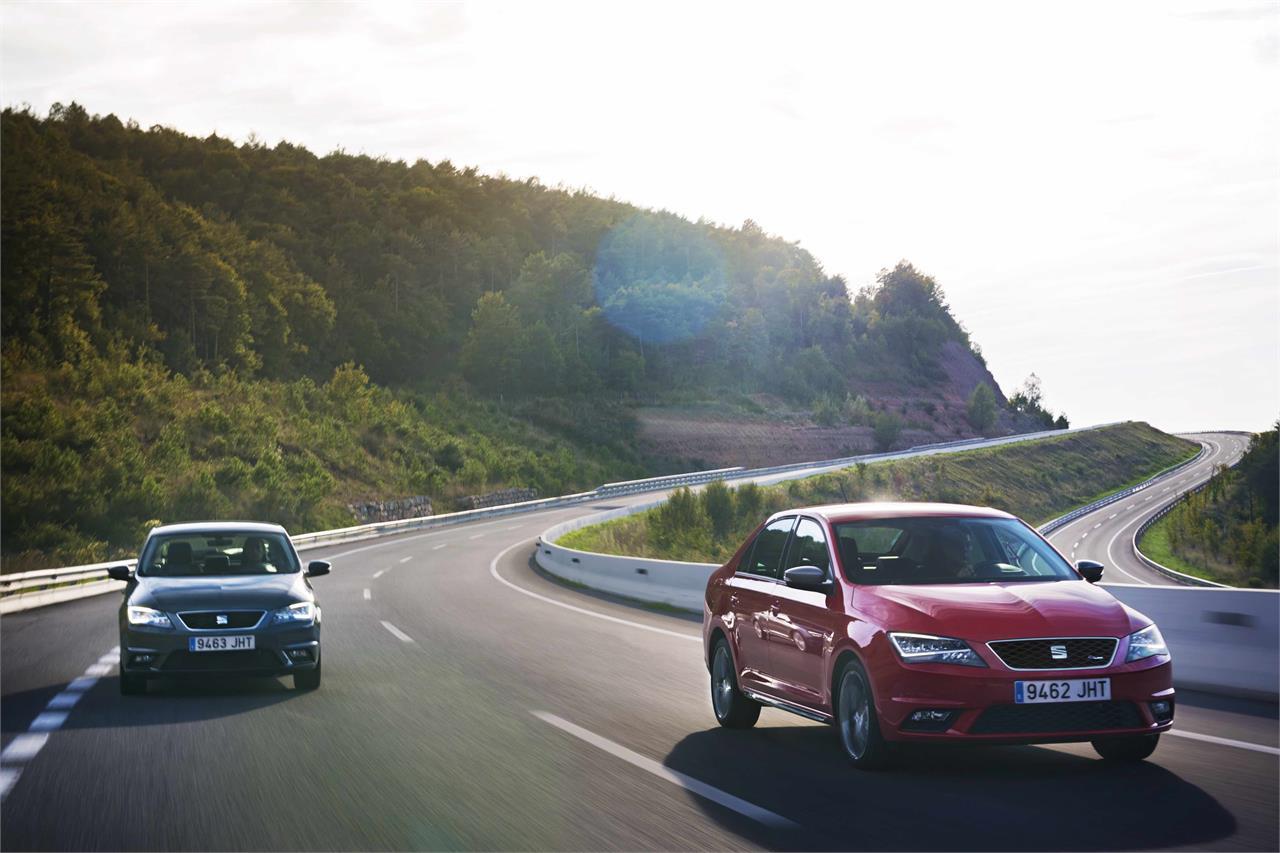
[397,633]
[379,573]
[26,746]
[441,545]
[368,595]
[405,559]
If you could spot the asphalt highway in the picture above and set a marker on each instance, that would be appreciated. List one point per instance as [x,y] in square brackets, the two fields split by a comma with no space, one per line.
[469,702]
[1107,535]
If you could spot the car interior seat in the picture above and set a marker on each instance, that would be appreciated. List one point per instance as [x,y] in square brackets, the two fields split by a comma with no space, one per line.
[217,564]
[177,559]
[850,559]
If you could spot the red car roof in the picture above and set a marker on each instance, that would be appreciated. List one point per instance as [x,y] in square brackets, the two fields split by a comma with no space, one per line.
[836,513]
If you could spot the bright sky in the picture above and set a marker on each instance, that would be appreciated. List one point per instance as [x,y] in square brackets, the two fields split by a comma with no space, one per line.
[1096,186]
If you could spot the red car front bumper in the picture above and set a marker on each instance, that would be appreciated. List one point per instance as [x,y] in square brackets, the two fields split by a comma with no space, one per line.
[979,703]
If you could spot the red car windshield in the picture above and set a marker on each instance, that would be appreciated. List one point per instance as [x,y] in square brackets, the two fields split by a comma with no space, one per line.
[945,551]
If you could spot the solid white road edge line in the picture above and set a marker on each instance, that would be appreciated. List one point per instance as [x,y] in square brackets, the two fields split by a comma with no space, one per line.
[396,632]
[27,745]
[693,786]
[493,570]
[1111,544]
[1223,741]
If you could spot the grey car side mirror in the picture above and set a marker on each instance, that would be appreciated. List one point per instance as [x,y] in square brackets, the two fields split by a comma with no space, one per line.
[120,573]
[1091,571]
[318,567]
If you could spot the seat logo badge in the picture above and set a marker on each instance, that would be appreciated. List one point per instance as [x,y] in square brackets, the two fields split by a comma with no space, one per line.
[1058,652]
[221,619]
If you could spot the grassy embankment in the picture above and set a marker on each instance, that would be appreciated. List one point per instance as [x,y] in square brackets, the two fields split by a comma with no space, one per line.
[1155,544]
[1036,480]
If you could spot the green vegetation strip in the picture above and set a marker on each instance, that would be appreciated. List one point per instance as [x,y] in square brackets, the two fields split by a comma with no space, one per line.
[1037,480]
[1227,532]
[1155,545]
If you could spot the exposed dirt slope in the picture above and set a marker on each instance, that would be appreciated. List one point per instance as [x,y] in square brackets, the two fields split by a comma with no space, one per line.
[684,438]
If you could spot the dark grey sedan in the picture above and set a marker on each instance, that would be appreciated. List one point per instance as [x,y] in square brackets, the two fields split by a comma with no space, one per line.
[219,598]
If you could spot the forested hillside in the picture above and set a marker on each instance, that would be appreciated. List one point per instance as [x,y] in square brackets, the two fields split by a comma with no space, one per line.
[193,327]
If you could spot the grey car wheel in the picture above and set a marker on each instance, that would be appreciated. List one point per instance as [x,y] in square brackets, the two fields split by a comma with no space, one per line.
[733,709]
[856,720]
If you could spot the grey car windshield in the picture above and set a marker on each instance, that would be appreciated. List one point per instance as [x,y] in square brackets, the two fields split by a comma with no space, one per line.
[946,551]
[217,553]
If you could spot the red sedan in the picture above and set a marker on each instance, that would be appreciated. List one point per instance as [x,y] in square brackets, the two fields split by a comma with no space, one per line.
[930,622]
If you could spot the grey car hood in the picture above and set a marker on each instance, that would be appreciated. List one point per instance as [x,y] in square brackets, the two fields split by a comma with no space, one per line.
[230,592]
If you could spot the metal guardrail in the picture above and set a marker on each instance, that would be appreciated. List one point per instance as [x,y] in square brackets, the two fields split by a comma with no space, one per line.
[671,481]
[45,580]
[977,443]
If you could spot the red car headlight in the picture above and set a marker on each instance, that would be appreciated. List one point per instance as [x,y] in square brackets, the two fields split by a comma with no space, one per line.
[926,648]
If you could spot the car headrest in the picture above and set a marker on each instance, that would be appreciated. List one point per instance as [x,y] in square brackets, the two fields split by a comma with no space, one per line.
[849,557]
[218,564]
[179,554]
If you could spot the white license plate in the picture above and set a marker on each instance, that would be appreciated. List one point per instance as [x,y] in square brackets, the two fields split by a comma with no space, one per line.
[1070,690]
[235,643]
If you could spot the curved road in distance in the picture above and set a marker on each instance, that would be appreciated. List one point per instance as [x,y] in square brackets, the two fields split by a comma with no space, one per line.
[1107,534]
[471,703]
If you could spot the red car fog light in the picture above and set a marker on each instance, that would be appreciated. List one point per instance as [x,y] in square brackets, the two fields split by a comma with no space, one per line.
[928,720]
[1162,710]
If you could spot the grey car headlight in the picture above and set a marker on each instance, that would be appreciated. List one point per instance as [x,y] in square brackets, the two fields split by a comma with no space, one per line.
[1145,643]
[148,617]
[926,648]
[303,611]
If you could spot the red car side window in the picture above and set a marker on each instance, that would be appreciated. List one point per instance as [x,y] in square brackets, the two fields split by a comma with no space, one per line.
[765,556]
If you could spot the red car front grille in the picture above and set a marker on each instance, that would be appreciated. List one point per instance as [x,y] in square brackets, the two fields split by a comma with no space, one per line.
[1056,653]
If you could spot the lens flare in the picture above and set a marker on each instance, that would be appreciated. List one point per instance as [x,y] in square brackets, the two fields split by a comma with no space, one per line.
[659,278]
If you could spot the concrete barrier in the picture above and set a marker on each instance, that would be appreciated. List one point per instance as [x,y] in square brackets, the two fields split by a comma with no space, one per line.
[668,582]
[1222,640]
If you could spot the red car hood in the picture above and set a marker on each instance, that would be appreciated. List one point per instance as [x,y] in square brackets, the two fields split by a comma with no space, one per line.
[994,611]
